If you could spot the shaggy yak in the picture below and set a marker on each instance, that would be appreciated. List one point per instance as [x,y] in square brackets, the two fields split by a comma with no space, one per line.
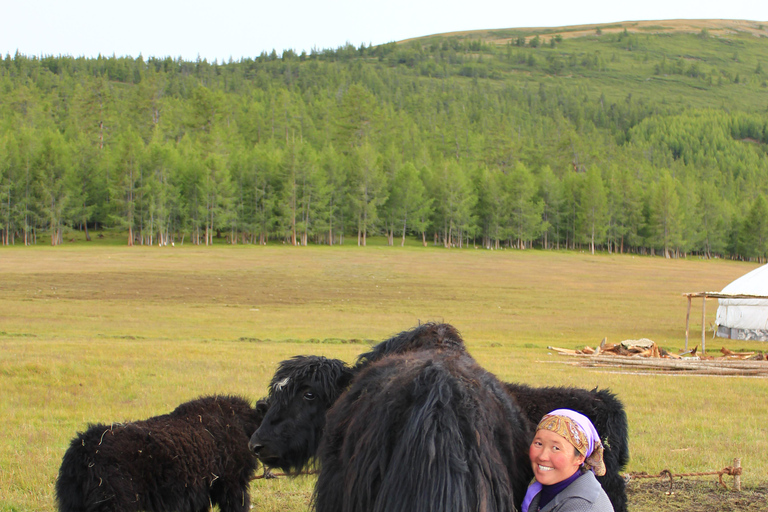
[185,461]
[427,430]
[422,431]
[305,387]
[602,407]
[291,431]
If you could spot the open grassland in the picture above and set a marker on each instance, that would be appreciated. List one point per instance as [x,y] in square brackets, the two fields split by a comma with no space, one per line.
[110,334]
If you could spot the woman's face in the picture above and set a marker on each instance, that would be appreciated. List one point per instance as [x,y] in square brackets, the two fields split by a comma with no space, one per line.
[553,458]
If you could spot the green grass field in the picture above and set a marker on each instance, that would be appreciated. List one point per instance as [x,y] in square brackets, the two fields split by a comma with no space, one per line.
[107,334]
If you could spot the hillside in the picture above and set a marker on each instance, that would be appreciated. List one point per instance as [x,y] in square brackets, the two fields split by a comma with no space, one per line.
[716,28]
[647,137]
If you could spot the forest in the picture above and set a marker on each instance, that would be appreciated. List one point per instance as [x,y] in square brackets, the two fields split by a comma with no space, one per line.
[649,142]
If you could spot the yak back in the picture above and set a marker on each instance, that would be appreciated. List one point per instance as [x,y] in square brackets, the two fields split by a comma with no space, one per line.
[428,336]
[423,431]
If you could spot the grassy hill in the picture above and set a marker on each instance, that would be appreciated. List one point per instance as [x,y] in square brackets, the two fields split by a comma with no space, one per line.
[688,63]
[649,137]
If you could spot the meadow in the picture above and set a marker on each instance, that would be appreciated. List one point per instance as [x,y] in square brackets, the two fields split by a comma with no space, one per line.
[104,333]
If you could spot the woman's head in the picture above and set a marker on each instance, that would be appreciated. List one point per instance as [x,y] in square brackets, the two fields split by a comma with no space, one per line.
[565,440]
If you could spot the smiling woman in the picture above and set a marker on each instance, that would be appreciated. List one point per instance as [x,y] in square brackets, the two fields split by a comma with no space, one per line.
[566,454]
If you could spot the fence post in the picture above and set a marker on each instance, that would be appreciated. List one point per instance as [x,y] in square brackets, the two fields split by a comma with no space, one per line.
[737,475]
[703,324]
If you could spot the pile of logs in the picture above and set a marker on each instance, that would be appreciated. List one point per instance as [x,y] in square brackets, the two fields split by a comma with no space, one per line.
[645,354]
[648,348]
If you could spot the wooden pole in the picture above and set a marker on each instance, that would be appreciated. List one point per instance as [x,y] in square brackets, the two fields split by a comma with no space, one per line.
[737,476]
[703,324]
[687,322]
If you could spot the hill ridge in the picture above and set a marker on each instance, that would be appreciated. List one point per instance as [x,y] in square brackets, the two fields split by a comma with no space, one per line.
[715,27]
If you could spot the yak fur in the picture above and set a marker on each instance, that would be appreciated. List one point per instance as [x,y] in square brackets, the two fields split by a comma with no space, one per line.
[602,407]
[423,431]
[294,425]
[184,461]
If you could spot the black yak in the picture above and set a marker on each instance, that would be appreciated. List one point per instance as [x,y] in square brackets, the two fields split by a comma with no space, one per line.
[299,420]
[606,413]
[300,393]
[305,387]
[184,461]
[602,407]
[422,431]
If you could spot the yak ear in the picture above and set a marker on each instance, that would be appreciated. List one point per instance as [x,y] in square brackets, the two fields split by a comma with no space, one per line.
[262,406]
[345,378]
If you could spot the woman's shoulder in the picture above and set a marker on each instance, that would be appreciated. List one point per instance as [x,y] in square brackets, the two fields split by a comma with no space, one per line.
[584,495]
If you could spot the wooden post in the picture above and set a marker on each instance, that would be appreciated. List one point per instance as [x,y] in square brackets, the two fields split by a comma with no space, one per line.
[687,322]
[737,476]
[703,324]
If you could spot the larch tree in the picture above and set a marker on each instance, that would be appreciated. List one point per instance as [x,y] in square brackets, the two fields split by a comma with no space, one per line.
[410,201]
[367,190]
[592,213]
[127,160]
[755,230]
[526,223]
[665,215]
[53,167]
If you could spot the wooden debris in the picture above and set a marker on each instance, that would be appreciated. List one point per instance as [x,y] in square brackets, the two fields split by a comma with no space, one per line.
[565,351]
[737,355]
[646,354]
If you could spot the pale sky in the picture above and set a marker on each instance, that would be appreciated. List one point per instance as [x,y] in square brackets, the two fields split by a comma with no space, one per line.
[242,28]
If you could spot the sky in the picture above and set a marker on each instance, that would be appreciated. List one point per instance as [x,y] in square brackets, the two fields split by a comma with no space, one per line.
[224,29]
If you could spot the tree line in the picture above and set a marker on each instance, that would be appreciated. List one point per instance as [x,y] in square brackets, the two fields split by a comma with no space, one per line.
[355,142]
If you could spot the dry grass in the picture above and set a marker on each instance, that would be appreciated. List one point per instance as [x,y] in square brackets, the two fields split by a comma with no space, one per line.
[715,27]
[114,334]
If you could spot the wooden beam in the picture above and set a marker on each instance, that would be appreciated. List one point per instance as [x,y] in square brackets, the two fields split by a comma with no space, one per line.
[703,325]
[687,321]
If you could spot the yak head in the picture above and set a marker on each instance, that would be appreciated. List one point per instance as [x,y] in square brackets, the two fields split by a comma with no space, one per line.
[301,392]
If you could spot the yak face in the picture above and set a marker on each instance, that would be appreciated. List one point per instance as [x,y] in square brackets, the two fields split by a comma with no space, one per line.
[301,392]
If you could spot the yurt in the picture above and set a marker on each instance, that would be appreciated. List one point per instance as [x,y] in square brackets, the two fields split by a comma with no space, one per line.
[745,315]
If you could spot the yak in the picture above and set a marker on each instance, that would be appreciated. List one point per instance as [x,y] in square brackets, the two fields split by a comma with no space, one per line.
[423,431]
[304,387]
[184,461]
[298,421]
[602,407]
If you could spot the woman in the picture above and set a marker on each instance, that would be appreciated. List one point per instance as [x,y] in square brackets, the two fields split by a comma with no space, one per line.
[566,454]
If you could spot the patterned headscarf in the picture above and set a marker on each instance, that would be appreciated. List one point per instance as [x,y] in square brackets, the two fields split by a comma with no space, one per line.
[579,431]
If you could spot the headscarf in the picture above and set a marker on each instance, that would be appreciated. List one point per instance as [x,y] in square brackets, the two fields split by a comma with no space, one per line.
[581,433]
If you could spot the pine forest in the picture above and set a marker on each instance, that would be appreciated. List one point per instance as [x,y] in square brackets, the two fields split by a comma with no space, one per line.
[623,138]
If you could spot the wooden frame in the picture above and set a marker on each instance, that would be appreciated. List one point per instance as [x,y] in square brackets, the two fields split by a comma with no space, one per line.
[710,295]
